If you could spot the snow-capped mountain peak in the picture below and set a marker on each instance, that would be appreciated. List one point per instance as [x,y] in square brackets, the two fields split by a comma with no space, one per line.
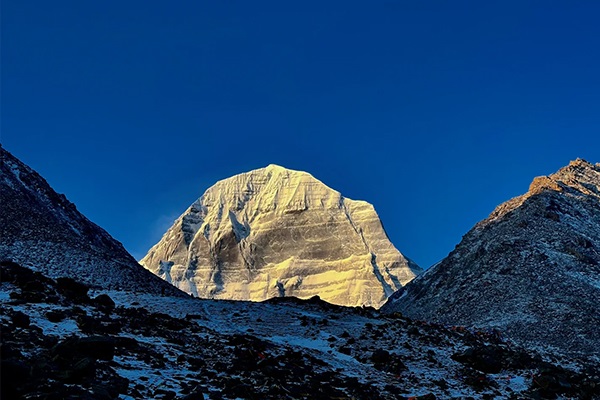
[274,232]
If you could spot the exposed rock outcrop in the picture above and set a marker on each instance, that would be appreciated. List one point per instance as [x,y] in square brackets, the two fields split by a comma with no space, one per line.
[531,269]
[277,232]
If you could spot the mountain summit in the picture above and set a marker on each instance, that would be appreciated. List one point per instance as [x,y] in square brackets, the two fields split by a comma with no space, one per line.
[276,232]
[531,269]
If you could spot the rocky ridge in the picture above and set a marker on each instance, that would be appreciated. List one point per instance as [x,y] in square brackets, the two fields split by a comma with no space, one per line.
[531,269]
[276,232]
[42,229]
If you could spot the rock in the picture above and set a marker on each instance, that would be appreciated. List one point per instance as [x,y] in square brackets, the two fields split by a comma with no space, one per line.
[275,232]
[15,374]
[101,392]
[111,327]
[550,381]
[20,319]
[485,359]
[196,394]
[104,303]
[89,324]
[55,316]
[8,351]
[477,380]
[126,343]
[428,396]
[94,347]
[14,273]
[381,356]
[414,331]
[70,288]
[34,287]
[79,370]
[196,363]
[161,394]
[441,383]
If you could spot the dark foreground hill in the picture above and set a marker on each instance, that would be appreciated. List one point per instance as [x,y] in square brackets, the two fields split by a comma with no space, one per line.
[42,229]
[531,269]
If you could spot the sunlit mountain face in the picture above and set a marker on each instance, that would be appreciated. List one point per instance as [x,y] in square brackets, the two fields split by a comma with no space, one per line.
[276,232]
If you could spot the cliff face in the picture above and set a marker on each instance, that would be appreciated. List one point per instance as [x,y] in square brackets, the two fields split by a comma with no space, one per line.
[531,269]
[276,232]
[42,229]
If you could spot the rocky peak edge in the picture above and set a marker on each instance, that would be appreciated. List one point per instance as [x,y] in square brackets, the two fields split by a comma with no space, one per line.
[578,178]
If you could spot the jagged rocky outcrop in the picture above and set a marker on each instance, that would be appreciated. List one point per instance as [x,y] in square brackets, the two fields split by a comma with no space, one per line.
[42,229]
[276,232]
[531,269]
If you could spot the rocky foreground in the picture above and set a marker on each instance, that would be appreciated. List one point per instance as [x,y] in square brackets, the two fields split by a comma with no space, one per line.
[61,341]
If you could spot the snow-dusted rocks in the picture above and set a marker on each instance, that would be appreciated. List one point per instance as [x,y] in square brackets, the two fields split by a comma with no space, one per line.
[531,269]
[42,229]
[61,346]
[276,232]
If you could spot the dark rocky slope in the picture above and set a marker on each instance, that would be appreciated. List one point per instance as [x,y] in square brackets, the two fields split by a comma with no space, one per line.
[531,269]
[42,229]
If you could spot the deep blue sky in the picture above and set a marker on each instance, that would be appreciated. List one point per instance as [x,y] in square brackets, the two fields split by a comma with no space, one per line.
[434,111]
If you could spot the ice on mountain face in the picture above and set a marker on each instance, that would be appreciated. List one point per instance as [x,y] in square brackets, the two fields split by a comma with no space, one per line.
[277,232]
[531,269]
[42,229]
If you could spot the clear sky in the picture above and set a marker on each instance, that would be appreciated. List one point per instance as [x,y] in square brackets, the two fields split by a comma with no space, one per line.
[433,111]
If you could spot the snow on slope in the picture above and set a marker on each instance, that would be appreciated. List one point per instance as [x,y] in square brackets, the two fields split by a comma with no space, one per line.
[277,232]
[42,229]
[531,268]
[163,347]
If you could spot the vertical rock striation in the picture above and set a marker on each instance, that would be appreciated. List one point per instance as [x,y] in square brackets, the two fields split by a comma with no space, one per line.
[276,232]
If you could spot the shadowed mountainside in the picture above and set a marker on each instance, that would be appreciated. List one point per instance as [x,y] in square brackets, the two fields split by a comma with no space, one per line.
[42,229]
[531,269]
